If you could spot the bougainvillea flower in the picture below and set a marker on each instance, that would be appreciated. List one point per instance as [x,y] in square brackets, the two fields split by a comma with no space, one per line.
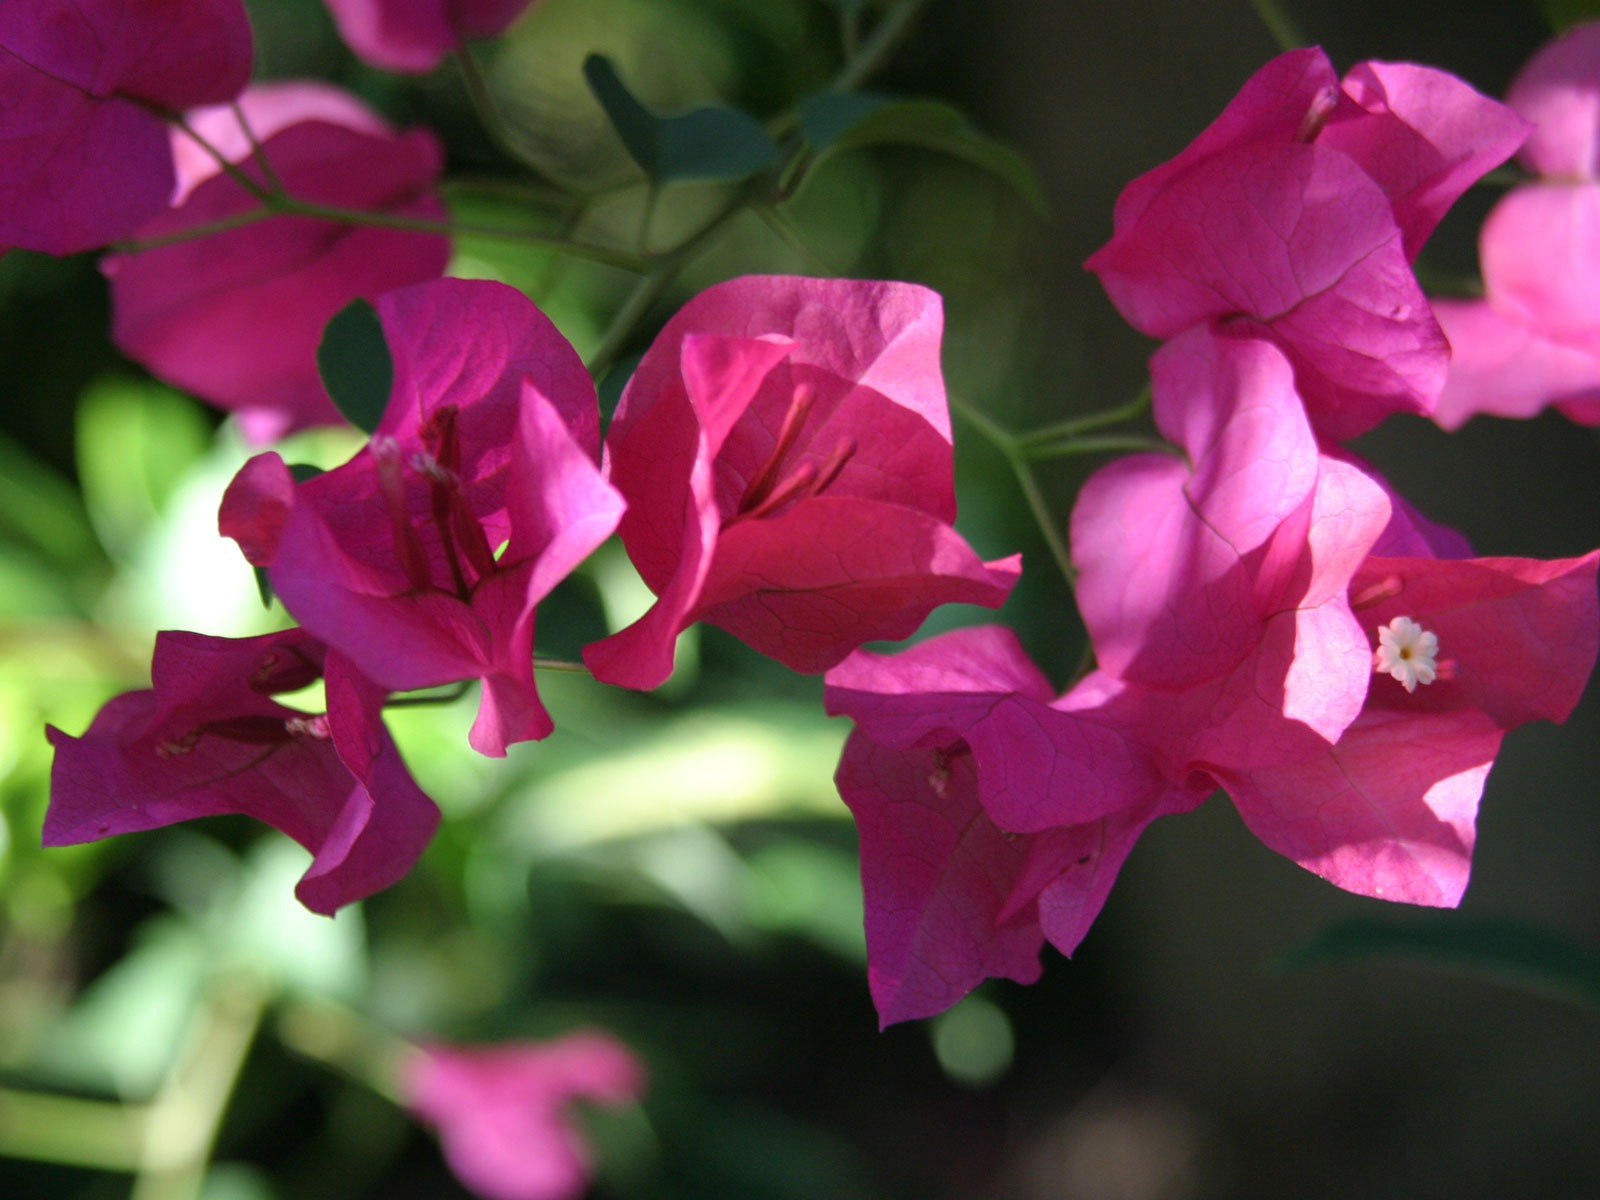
[991,817]
[84,157]
[1534,339]
[1295,216]
[235,317]
[1389,809]
[423,556]
[413,35]
[1230,569]
[785,450]
[209,738]
[502,1111]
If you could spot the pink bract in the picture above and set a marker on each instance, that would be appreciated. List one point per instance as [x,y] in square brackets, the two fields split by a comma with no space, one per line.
[423,557]
[209,739]
[1534,339]
[414,35]
[785,449]
[1295,216]
[235,317]
[502,1110]
[990,818]
[84,157]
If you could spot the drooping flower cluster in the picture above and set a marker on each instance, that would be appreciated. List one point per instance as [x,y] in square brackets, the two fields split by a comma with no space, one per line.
[1267,616]
[1534,339]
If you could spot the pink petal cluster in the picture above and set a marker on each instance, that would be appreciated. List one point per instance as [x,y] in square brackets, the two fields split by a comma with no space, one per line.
[235,317]
[1534,339]
[414,35]
[209,738]
[991,816]
[1295,216]
[84,157]
[785,449]
[1234,597]
[422,558]
[502,1110]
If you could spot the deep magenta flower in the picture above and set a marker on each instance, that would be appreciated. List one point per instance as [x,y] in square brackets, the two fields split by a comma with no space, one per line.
[414,35]
[1296,215]
[502,1111]
[991,816]
[1534,339]
[209,738]
[84,87]
[235,317]
[422,558]
[785,449]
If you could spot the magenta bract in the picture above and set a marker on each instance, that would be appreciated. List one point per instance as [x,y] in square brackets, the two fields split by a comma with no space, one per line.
[990,817]
[84,157]
[209,739]
[423,557]
[1534,339]
[785,450]
[235,317]
[1295,216]
[414,35]
[502,1110]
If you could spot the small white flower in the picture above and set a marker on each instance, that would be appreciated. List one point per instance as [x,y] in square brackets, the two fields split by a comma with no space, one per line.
[1407,652]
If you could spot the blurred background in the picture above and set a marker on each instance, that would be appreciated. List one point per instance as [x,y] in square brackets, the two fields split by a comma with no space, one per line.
[677,867]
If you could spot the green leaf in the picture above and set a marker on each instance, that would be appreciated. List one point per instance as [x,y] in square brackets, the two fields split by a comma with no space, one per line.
[356,367]
[711,143]
[1564,14]
[832,122]
[1522,956]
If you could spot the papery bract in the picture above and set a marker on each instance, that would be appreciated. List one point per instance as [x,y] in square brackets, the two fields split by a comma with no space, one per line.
[785,449]
[84,156]
[235,317]
[414,35]
[1295,216]
[502,1110]
[423,557]
[209,738]
[990,817]
[1534,339]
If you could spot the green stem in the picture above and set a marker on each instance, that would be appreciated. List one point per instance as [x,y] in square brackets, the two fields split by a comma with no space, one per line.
[340,1037]
[874,52]
[560,665]
[1076,426]
[483,104]
[274,183]
[181,1123]
[1066,448]
[1279,24]
[227,165]
[99,1134]
[1045,520]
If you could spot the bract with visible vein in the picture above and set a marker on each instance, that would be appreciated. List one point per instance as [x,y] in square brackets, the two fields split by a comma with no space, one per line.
[502,1111]
[235,317]
[990,819]
[414,35]
[209,738]
[423,557]
[84,156]
[1296,215]
[784,446]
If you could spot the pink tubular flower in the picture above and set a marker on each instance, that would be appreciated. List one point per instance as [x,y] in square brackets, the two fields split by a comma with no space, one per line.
[501,1110]
[1296,215]
[210,739]
[84,157]
[785,449]
[1534,339]
[423,556]
[414,35]
[990,816]
[235,317]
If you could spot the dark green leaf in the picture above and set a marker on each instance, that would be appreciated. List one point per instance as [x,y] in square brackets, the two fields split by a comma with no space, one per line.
[356,367]
[837,121]
[705,144]
[1523,956]
[263,586]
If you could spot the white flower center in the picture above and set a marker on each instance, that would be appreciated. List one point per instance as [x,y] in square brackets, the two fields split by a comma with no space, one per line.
[1408,652]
